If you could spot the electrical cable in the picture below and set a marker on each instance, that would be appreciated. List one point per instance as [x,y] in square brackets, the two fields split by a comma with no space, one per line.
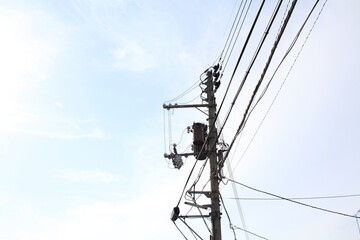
[179,230]
[204,220]
[277,40]
[199,175]
[237,32]
[228,216]
[357,220]
[230,32]
[212,127]
[197,158]
[293,44]
[251,63]
[238,205]
[235,227]
[187,181]
[239,58]
[253,60]
[189,101]
[303,198]
[184,93]
[182,134]
[281,86]
[294,201]
[192,230]
[237,36]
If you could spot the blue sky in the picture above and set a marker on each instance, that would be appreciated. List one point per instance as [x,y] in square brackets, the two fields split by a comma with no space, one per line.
[82,83]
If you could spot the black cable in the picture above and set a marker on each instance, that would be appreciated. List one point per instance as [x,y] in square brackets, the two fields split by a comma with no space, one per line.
[179,230]
[357,220]
[250,65]
[239,58]
[293,201]
[233,227]
[184,93]
[237,36]
[213,126]
[228,216]
[290,48]
[303,198]
[231,33]
[187,181]
[192,230]
[277,40]
[204,220]
[265,89]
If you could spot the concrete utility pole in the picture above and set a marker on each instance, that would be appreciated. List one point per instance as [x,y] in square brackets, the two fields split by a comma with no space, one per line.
[214,181]
[211,141]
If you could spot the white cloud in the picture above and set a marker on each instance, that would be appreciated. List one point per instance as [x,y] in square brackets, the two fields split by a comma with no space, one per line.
[28,50]
[145,217]
[95,133]
[51,127]
[59,104]
[26,55]
[88,176]
[131,56]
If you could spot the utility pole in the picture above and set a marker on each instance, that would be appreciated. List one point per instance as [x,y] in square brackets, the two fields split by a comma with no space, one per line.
[214,181]
[211,142]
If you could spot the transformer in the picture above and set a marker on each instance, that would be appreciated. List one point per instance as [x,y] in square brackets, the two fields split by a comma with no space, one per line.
[199,138]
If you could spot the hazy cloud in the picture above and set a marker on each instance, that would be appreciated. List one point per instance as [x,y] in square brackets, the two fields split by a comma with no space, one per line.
[88,176]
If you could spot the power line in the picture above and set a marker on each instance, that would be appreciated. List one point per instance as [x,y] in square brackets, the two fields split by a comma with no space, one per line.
[237,36]
[293,44]
[281,86]
[277,40]
[184,93]
[302,198]
[237,64]
[228,216]
[233,227]
[179,230]
[293,201]
[192,230]
[238,205]
[232,31]
[357,220]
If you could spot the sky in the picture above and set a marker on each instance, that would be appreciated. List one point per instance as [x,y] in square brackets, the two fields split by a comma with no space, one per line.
[83,130]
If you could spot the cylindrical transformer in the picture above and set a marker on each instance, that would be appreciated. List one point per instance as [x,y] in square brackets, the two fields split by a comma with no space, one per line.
[200,155]
[199,131]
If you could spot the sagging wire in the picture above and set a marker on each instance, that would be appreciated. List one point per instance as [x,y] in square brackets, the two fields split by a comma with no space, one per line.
[293,201]
[251,63]
[190,89]
[179,230]
[257,235]
[243,121]
[232,48]
[182,134]
[192,230]
[287,75]
[228,216]
[357,220]
[233,227]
